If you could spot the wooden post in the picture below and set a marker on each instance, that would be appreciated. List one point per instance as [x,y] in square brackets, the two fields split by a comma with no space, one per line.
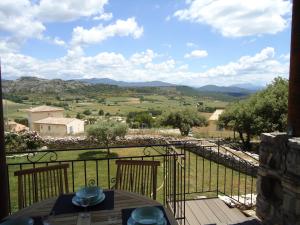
[3,167]
[294,80]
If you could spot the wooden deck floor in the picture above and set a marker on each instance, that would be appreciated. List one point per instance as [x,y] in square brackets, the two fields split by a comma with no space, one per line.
[214,211]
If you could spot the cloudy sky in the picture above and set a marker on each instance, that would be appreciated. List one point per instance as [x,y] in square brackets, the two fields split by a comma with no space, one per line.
[192,42]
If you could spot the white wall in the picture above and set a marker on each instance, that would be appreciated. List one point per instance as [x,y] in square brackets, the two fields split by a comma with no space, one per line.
[75,127]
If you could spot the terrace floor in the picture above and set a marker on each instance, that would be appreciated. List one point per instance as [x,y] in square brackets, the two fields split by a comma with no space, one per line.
[215,211]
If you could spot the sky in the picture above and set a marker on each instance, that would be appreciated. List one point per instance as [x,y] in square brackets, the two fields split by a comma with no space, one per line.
[186,42]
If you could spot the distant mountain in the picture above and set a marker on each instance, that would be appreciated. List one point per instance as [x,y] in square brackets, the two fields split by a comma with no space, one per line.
[39,85]
[126,84]
[248,86]
[223,89]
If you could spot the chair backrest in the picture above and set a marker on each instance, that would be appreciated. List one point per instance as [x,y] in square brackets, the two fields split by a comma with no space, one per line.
[137,176]
[41,183]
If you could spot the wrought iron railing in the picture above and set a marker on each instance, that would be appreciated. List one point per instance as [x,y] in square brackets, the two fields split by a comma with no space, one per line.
[98,165]
[188,170]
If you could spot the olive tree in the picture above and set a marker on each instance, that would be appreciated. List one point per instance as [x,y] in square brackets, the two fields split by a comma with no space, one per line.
[107,131]
[265,111]
[183,120]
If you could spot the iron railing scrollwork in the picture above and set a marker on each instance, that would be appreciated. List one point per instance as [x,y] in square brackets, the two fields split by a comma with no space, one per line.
[32,157]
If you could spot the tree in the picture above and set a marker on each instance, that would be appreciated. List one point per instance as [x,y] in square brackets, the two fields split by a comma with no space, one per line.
[265,111]
[101,112]
[87,112]
[107,131]
[22,120]
[184,120]
[143,119]
[79,116]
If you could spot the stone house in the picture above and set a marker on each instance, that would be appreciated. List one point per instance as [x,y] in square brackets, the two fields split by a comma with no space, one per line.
[59,127]
[42,112]
[50,121]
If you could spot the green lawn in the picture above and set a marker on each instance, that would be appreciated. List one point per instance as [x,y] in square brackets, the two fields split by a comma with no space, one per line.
[201,174]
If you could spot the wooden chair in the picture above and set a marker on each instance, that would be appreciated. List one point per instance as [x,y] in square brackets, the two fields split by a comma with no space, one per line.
[137,176]
[40,183]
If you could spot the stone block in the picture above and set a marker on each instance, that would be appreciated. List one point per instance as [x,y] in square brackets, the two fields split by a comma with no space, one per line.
[272,149]
[292,161]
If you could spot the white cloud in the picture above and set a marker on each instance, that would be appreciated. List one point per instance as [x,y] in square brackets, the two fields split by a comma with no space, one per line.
[260,68]
[68,10]
[25,19]
[59,41]
[18,18]
[100,33]
[104,16]
[143,57]
[191,45]
[236,18]
[196,54]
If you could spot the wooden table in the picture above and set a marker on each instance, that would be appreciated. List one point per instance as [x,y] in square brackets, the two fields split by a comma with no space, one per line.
[123,200]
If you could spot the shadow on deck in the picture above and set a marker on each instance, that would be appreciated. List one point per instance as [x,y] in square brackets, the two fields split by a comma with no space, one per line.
[214,211]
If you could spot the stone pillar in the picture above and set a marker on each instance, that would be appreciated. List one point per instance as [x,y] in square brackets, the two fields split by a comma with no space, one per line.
[291,183]
[278,180]
[269,185]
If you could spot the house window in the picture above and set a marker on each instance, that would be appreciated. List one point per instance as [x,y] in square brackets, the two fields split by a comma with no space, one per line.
[49,128]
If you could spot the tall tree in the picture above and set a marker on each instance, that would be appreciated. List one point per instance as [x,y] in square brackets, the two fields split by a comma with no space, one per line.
[265,111]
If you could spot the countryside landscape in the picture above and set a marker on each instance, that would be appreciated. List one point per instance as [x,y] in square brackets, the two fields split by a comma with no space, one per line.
[149,112]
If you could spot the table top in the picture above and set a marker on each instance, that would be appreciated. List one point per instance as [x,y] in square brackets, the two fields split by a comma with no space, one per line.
[123,200]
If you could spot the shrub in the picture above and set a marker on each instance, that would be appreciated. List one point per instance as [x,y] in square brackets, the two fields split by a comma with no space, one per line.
[101,112]
[87,112]
[22,120]
[106,132]
[16,142]
[183,120]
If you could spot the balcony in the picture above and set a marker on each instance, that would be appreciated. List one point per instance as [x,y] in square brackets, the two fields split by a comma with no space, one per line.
[191,176]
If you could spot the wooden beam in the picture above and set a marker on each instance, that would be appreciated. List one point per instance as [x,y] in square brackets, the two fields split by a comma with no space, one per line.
[294,80]
[3,168]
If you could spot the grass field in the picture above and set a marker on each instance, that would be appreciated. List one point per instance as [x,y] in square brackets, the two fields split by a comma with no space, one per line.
[201,174]
[115,105]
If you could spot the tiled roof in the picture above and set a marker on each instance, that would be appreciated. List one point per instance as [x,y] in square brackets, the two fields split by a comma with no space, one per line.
[44,108]
[56,120]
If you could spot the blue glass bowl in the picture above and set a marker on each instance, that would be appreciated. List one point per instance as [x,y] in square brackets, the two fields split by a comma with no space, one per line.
[19,221]
[147,215]
[93,193]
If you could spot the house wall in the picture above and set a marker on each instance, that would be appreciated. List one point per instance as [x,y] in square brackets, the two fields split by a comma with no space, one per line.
[51,130]
[75,127]
[34,116]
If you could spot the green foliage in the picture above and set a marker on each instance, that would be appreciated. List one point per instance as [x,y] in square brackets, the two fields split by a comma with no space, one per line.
[184,120]
[140,120]
[15,98]
[16,142]
[87,112]
[108,131]
[79,116]
[102,100]
[22,120]
[266,111]
[204,108]
[101,112]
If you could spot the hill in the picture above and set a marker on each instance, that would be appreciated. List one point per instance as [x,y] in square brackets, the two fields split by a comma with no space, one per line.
[126,84]
[42,89]
[223,89]
[39,85]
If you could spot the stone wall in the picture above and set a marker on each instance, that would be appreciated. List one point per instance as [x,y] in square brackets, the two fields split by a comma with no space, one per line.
[278,182]
[227,159]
